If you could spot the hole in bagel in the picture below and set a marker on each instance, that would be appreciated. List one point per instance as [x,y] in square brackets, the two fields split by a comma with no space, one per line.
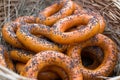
[52,72]
[92,57]
[86,59]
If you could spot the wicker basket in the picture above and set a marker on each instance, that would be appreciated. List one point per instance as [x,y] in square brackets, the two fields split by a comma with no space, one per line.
[10,9]
[7,6]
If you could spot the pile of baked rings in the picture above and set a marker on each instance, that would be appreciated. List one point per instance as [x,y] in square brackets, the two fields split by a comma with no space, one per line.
[63,41]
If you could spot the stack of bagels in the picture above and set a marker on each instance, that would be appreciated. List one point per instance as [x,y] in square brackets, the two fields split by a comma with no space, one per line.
[63,42]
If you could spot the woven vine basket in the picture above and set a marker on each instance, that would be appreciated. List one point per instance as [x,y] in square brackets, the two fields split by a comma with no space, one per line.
[109,9]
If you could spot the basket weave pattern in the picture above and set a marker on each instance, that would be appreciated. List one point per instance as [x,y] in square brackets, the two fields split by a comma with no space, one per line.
[7,9]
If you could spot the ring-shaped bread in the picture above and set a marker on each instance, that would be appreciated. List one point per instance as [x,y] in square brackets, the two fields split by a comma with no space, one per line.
[57,32]
[66,10]
[80,10]
[47,58]
[9,29]
[45,75]
[21,55]
[36,44]
[109,60]
[5,60]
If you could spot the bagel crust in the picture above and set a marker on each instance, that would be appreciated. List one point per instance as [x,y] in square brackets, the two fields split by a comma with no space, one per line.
[109,60]
[47,58]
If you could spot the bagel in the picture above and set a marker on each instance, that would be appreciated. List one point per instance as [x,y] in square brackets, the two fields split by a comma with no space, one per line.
[9,29]
[80,10]
[66,10]
[58,34]
[47,58]
[51,14]
[46,75]
[9,35]
[109,60]
[21,55]
[42,76]
[5,59]
[91,56]
[48,11]
[36,44]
